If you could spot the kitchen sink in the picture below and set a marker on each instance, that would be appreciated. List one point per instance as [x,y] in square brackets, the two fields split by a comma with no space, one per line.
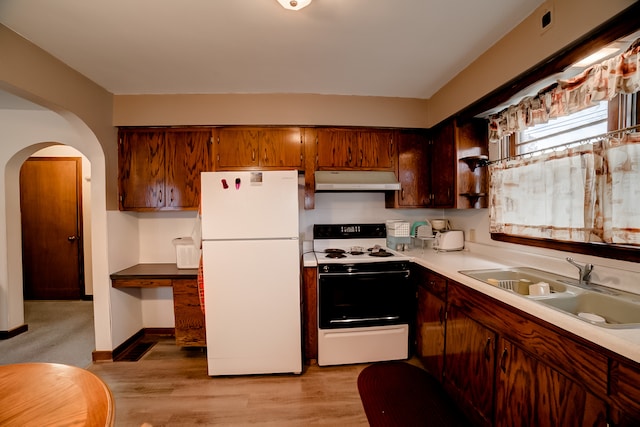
[518,279]
[595,304]
[602,310]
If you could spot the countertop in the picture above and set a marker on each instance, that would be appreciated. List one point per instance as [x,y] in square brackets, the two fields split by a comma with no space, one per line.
[155,271]
[625,342]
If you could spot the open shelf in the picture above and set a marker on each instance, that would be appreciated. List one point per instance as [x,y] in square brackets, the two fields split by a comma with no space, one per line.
[475,161]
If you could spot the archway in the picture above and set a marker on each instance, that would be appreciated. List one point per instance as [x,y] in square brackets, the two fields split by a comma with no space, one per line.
[23,132]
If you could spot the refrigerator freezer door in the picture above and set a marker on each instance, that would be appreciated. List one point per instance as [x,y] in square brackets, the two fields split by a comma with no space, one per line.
[249,205]
[252,306]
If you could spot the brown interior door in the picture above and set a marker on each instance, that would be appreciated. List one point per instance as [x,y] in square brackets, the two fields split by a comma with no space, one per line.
[50,205]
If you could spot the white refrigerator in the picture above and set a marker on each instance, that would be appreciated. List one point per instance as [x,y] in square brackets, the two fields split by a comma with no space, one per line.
[251,272]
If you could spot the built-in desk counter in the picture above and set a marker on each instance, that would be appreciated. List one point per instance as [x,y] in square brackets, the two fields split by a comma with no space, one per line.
[189,317]
[151,276]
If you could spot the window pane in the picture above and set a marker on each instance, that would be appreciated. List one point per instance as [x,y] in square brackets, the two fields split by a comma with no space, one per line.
[583,124]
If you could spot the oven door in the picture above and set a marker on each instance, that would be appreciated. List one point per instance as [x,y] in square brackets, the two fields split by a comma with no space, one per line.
[364,299]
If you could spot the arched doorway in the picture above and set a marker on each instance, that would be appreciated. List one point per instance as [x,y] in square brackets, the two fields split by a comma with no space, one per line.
[22,133]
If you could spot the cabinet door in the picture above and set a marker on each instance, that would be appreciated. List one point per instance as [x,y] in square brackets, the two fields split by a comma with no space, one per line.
[443,166]
[413,171]
[281,148]
[237,147]
[531,393]
[430,331]
[141,169]
[189,318]
[470,361]
[187,155]
[624,387]
[375,149]
[337,148]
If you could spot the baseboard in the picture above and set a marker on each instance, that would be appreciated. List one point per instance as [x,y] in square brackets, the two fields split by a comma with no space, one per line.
[109,356]
[5,335]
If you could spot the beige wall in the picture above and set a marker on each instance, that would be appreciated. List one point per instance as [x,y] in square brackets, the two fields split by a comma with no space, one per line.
[274,109]
[521,49]
[28,71]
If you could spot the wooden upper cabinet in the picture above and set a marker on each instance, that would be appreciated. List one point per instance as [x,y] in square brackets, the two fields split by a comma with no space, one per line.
[369,149]
[413,171]
[443,166]
[282,148]
[248,148]
[186,156]
[141,169]
[160,169]
[237,147]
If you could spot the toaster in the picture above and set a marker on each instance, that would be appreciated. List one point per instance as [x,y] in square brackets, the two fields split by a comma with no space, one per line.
[450,240]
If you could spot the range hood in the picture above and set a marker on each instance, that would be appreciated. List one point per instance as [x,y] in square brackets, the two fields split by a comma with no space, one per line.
[356,181]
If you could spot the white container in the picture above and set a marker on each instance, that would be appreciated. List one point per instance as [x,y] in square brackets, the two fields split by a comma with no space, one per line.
[398,228]
[187,254]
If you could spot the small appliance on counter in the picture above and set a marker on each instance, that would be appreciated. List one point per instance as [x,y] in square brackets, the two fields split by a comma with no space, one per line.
[449,240]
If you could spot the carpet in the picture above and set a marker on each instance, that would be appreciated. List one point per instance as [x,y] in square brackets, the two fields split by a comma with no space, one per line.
[400,394]
[59,332]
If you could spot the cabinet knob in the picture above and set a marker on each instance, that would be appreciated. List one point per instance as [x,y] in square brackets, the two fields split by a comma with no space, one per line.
[72,238]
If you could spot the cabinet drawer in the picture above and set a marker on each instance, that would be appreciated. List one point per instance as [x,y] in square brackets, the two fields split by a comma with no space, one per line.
[140,283]
[436,284]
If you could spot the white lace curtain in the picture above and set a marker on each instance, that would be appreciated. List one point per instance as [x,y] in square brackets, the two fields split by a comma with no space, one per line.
[620,74]
[588,193]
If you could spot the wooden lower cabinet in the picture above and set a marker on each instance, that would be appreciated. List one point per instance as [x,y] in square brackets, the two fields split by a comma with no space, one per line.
[624,388]
[310,314]
[189,318]
[430,332]
[430,326]
[505,367]
[531,393]
[469,366]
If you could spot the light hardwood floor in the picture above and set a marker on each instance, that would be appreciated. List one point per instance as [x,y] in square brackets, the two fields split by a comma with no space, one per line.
[169,386]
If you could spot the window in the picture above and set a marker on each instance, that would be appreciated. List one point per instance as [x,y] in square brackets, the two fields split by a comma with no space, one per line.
[562,130]
[622,112]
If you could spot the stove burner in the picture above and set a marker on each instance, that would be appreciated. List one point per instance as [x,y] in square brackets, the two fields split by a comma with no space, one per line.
[356,252]
[381,253]
[334,251]
[335,255]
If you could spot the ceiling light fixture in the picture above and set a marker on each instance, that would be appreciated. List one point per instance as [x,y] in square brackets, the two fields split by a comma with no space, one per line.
[294,4]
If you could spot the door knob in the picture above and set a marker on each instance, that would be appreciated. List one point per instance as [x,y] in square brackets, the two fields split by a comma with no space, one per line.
[72,238]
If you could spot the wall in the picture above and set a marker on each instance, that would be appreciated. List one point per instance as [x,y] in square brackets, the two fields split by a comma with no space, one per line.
[246,109]
[525,46]
[78,113]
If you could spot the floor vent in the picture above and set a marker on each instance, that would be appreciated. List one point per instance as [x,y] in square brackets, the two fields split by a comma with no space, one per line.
[135,351]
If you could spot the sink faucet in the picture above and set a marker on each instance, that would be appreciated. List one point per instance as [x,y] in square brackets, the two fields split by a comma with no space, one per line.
[585,271]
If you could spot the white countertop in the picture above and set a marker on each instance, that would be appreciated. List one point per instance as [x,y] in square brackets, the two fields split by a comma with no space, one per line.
[625,342]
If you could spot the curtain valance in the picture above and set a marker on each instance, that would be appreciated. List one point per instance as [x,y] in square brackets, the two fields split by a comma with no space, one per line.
[620,74]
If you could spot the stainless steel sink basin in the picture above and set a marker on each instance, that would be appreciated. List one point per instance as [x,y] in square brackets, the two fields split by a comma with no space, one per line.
[596,304]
